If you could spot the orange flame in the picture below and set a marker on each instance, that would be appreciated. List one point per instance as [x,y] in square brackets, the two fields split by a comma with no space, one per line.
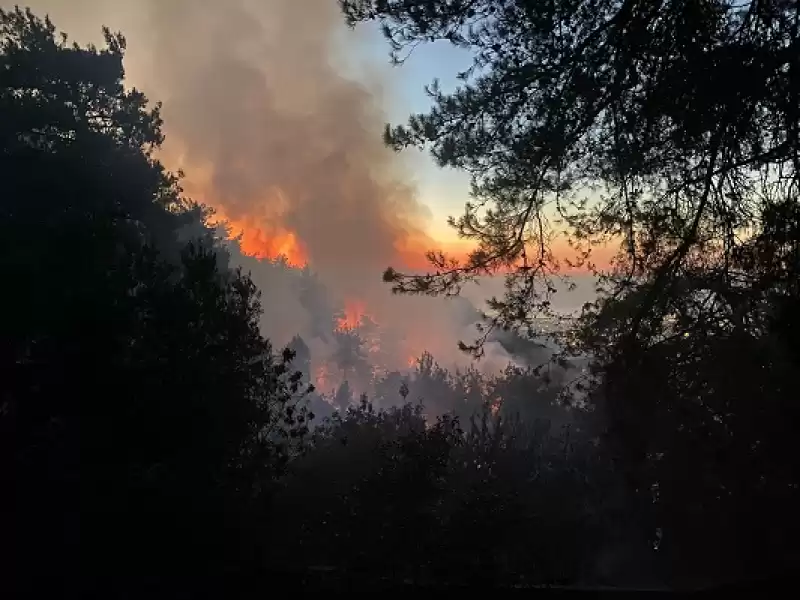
[322,379]
[262,238]
[354,312]
[254,242]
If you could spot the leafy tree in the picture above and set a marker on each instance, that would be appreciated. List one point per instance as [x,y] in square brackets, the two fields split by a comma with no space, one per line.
[386,496]
[360,497]
[470,394]
[343,397]
[390,388]
[302,356]
[143,415]
[667,130]
[520,392]
[524,505]
[431,383]
[315,298]
[350,356]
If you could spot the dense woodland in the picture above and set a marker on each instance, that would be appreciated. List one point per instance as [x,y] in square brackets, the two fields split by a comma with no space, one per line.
[153,441]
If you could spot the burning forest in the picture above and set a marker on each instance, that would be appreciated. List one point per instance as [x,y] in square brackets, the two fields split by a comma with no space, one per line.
[208,384]
[287,151]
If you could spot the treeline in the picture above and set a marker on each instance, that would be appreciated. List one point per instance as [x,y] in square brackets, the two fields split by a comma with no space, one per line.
[388,496]
[143,416]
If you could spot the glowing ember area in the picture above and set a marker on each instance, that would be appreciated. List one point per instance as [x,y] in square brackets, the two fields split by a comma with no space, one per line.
[262,238]
[354,313]
[254,242]
[323,380]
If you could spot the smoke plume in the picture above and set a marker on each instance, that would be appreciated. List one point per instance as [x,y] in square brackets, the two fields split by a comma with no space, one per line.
[287,149]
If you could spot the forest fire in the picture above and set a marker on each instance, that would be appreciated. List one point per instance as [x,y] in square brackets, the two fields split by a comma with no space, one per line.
[354,313]
[300,171]
[258,244]
[322,378]
[361,348]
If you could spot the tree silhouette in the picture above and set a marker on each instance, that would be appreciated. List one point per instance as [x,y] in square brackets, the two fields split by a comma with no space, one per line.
[432,384]
[149,433]
[350,356]
[668,132]
[315,298]
[388,389]
[302,356]
[386,496]
[343,397]
[143,415]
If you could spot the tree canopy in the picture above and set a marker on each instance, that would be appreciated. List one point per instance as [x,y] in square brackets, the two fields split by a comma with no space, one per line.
[149,433]
[138,395]
[666,130]
[668,127]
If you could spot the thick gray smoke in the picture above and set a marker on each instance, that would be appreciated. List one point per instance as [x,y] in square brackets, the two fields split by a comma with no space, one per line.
[281,139]
[271,133]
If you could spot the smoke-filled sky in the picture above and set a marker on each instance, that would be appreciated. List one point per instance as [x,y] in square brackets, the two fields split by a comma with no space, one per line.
[274,110]
[226,68]
[270,133]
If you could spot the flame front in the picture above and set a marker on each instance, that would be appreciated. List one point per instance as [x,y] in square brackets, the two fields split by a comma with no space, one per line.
[259,236]
[254,242]
[354,313]
[322,378]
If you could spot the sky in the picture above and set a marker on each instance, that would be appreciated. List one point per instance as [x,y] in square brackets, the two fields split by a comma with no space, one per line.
[275,110]
[361,55]
[444,191]
[364,57]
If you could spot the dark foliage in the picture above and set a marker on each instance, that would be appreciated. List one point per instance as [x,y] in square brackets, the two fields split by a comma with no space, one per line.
[153,443]
[667,130]
[142,412]
[385,496]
